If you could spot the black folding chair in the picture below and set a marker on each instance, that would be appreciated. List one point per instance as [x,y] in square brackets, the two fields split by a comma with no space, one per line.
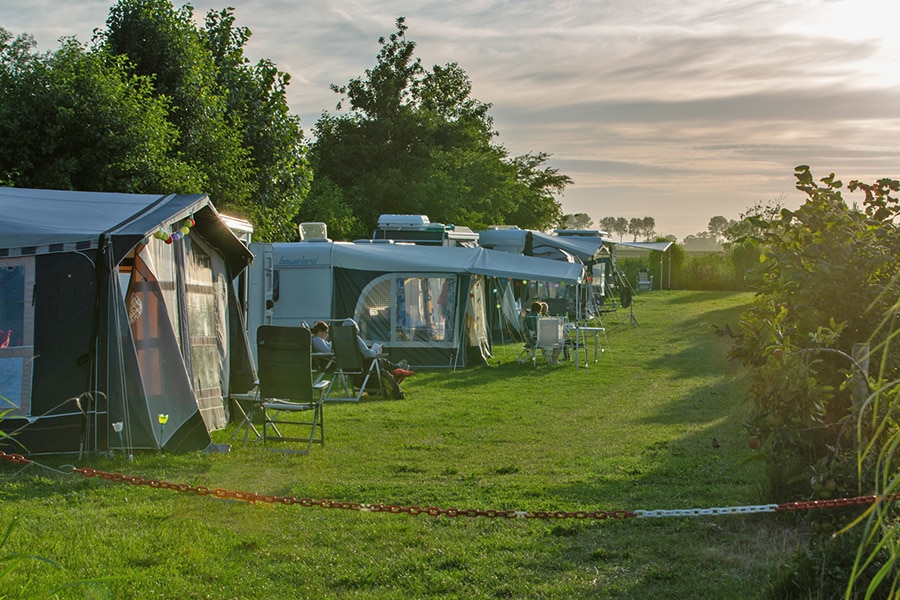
[286,386]
[353,370]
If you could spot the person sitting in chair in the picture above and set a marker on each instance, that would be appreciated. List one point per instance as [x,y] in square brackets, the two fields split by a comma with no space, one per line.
[393,373]
[321,346]
[320,341]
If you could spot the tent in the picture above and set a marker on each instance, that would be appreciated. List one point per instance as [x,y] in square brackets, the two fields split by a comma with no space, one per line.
[119,324]
[427,304]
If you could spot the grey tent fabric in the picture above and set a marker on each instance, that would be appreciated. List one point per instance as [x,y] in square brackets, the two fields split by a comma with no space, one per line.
[535,243]
[476,261]
[109,352]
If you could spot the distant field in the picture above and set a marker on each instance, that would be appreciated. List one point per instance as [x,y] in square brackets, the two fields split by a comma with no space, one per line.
[634,431]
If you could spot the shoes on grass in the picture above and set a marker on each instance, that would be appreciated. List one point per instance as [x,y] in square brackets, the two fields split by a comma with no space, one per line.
[401,374]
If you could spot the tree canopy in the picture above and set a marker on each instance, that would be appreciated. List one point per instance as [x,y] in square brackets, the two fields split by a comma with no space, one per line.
[155,104]
[415,142]
[74,119]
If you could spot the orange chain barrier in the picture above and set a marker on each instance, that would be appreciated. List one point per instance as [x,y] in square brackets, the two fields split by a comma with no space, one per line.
[433,511]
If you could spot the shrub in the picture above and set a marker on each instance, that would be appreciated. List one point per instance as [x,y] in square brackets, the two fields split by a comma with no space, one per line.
[828,276]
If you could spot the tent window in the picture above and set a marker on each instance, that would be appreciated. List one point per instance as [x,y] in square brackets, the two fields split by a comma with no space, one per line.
[16,334]
[375,320]
[424,308]
[205,301]
[402,309]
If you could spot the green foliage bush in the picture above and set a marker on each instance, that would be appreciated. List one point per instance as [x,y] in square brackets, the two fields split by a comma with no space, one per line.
[708,271]
[828,275]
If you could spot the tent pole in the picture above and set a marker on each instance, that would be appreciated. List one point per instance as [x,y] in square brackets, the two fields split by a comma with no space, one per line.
[125,440]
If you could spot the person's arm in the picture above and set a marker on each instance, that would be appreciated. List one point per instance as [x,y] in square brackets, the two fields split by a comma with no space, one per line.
[321,346]
[364,348]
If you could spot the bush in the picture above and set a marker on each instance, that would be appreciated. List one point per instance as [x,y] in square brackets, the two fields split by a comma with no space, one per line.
[827,283]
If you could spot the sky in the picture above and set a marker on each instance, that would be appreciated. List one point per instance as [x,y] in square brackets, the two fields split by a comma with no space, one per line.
[679,111]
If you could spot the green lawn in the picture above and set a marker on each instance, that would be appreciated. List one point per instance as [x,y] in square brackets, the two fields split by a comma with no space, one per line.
[634,431]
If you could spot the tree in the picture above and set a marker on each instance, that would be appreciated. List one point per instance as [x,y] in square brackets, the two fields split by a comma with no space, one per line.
[615,225]
[635,227]
[414,141]
[702,240]
[827,276]
[643,227]
[717,227]
[827,281]
[744,227]
[80,120]
[648,227]
[577,221]
[162,43]
[256,107]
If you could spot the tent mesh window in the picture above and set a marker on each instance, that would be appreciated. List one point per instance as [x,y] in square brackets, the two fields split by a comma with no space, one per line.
[375,320]
[206,319]
[424,308]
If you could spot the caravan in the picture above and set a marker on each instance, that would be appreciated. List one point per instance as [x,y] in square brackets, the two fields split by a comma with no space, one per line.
[425,304]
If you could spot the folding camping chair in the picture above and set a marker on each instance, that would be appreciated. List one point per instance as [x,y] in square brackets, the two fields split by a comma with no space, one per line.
[323,365]
[285,385]
[352,370]
[529,333]
[550,336]
[644,280]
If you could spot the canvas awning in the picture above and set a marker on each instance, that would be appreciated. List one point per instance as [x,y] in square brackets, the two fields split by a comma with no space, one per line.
[523,241]
[477,261]
[45,221]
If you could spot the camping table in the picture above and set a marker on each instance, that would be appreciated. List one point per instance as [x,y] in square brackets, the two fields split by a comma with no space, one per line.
[577,334]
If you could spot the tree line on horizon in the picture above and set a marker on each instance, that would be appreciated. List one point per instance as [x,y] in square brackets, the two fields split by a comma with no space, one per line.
[157,104]
[719,233]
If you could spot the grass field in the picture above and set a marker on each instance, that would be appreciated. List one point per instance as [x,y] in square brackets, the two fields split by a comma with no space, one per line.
[634,431]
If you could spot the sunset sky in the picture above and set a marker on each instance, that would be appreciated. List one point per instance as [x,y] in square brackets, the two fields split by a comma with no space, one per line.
[676,110]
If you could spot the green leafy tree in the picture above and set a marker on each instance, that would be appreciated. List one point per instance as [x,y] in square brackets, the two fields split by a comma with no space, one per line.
[577,221]
[615,226]
[641,227]
[828,275]
[635,228]
[414,141]
[828,282]
[648,226]
[163,44]
[256,106]
[78,119]
[744,227]
[717,227]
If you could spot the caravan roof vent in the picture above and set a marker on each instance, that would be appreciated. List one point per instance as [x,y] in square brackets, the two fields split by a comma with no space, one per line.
[313,232]
[403,222]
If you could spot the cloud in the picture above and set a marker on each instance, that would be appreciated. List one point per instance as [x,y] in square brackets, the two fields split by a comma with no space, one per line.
[676,110]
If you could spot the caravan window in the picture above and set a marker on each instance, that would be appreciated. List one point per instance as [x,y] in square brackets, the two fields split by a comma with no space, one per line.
[16,333]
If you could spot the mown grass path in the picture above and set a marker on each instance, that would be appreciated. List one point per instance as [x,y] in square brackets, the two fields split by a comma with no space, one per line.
[634,431]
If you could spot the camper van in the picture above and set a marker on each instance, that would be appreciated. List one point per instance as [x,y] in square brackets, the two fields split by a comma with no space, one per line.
[418,229]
